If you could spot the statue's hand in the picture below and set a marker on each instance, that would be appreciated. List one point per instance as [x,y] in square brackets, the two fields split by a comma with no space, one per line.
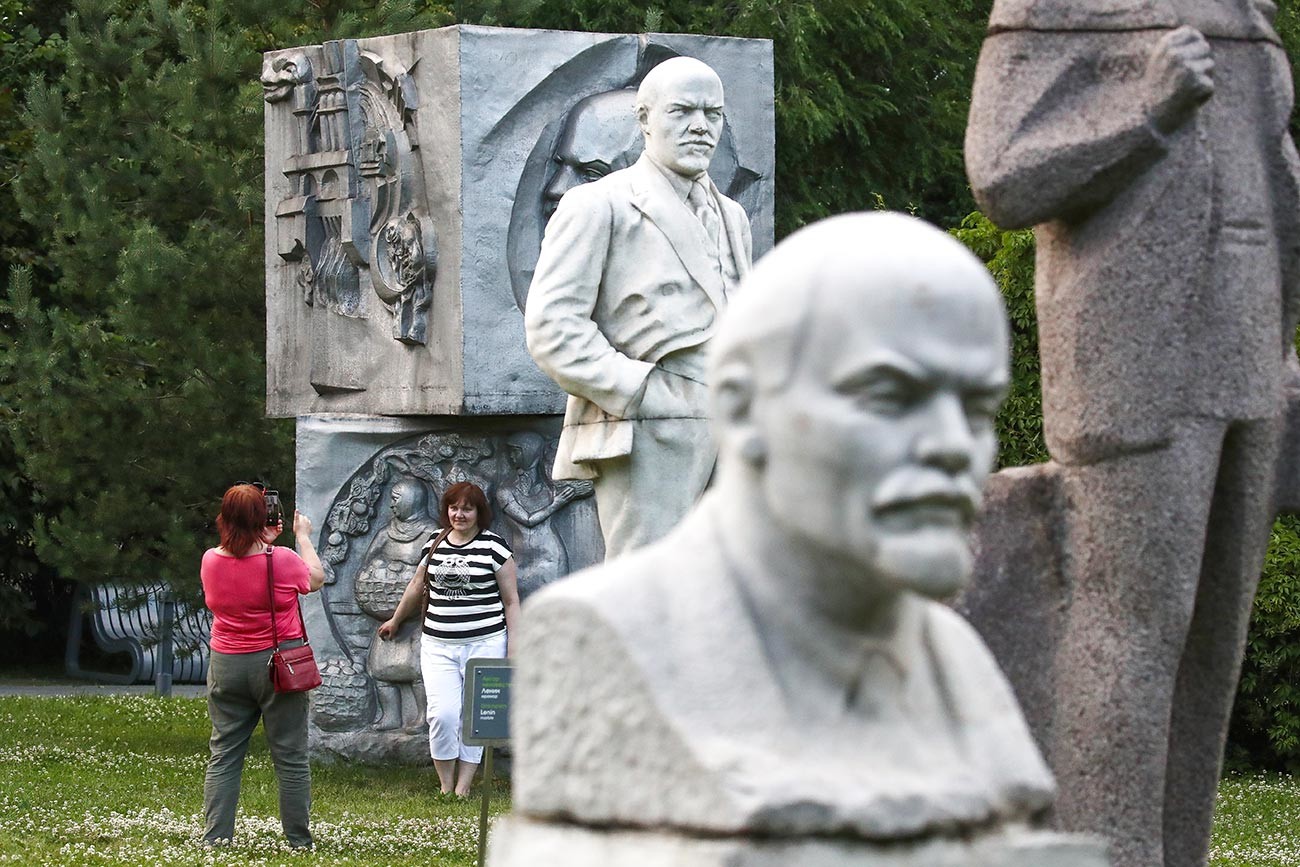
[658,399]
[1179,77]
[301,524]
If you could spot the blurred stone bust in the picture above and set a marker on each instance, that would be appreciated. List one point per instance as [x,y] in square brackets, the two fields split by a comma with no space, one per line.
[778,666]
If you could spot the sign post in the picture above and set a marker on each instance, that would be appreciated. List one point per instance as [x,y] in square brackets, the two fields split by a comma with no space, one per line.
[486,723]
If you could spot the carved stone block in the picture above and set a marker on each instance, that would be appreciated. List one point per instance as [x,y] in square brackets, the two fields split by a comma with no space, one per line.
[372,485]
[408,182]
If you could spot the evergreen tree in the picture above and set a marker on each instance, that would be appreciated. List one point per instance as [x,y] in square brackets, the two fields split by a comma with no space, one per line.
[29,596]
[134,381]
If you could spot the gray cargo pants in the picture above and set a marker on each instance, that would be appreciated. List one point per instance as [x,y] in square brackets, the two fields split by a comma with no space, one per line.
[239,693]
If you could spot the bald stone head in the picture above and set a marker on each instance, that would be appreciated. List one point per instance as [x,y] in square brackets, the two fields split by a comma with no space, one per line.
[855,382]
[679,109]
[600,136]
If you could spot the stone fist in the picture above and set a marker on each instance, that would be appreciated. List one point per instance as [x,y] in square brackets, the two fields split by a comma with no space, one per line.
[1178,74]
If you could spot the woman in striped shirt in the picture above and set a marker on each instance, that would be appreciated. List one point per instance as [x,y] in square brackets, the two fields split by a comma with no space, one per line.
[472,605]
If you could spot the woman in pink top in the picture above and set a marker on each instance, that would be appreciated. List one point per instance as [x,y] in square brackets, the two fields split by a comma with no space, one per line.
[239,685]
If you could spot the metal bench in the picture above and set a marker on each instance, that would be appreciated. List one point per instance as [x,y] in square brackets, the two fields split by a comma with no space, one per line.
[129,619]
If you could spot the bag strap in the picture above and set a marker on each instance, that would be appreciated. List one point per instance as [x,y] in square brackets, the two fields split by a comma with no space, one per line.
[438,539]
[270,594]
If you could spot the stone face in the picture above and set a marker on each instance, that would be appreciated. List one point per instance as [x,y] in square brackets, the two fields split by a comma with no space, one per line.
[406,184]
[374,485]
[774,682]
[633,279]
[1148,144]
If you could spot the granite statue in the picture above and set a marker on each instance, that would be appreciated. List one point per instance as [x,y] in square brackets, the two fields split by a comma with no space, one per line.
[634,274]
[1148,144]
[774,682]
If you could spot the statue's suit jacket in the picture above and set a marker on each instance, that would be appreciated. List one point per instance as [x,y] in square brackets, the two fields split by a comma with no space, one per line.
[624,279]
[1167,264]
[646,697]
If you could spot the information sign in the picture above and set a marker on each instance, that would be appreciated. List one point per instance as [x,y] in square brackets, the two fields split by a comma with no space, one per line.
[486,720]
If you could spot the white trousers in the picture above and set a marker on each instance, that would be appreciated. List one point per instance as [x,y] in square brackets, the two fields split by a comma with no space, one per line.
[442,666]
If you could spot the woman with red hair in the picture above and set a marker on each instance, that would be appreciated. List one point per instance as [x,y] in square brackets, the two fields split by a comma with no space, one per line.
[472,606]
[235,578]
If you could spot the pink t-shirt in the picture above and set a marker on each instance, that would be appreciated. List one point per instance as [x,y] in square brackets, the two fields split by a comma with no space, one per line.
[234,588]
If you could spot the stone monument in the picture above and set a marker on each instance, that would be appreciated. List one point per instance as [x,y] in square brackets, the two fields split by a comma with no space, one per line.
[407,188]
[635,272]
[773,682]
[1148,144]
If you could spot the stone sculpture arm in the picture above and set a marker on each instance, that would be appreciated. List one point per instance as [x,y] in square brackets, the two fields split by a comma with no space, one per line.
[1061,123]
[564,339]
[516,512]
[412,596]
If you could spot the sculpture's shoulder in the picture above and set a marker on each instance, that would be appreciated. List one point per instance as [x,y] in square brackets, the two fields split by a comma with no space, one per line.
[597,200]
[1081,15]
[1001,743]
[618,596]
[959,647]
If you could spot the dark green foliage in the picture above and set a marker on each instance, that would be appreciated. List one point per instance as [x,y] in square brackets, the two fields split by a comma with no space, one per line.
[1266,723]
[1010,258]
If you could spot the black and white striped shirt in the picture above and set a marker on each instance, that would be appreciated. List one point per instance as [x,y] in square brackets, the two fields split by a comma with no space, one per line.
[464,601]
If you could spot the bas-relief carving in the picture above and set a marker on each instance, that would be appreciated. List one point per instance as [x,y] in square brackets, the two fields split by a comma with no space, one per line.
[774,682]
[1148,142]
[356,221]
[529,500]
[371,543]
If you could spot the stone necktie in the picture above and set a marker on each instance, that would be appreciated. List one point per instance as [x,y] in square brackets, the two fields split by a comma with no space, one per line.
[702,205]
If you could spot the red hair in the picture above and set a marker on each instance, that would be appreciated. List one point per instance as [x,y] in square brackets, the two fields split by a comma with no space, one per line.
[470,494]
[242,520]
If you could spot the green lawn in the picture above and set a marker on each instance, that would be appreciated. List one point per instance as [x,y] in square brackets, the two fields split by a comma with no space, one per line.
[118,780]
[1257,822]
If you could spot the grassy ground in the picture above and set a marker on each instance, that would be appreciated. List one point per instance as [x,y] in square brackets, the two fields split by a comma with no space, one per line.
[1257,822]
[118,780]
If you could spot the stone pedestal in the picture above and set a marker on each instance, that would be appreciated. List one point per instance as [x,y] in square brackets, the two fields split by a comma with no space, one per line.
[518,842]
